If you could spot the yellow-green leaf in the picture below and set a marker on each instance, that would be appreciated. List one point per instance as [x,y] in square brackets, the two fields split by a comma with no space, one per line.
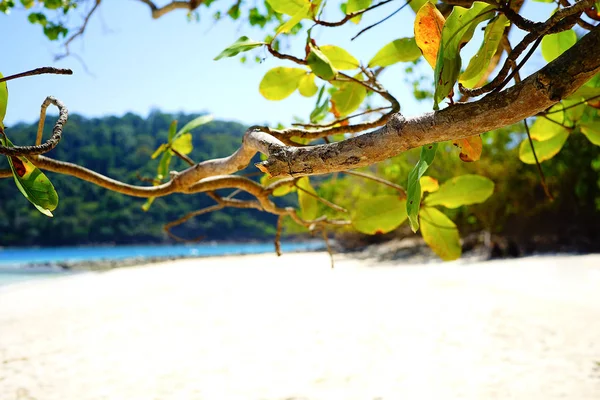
[544,150]
[243,44]
[302,13]
[413,190]
[417,4]
[557,43]
[592,131]
[320,64]
[32,182]
[148,203]
[461,191]
[380,214]
[309,205]
[289,7]
[307,87]
[428,184]
[428,26]
[282,190]
[193,124]
[339,58]
[3,101]
[545,128]
[159,151]
[279,82]
[440,233]
[400,50]
[458,30]
[480,61]
[348,98]
[183,144]
[357,5]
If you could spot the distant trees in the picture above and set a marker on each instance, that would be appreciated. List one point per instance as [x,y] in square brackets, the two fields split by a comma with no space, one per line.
[356,121]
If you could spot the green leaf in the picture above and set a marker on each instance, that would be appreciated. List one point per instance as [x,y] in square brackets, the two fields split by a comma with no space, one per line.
[321,109]
[148,203]
[592,131]
[417,4]
[320,64]
[440,233]
[400,50]
[279,82]
[163,165]
[32,183]
[380,214]
[339,58]
[348,98]
[159,151]
[546,128]
[480,62]
[461,191]
[309,205]
[172,131]
[289,7]
[413,192]
[183,144]
[556,44]
[544,150]
[357,5]
[457,31]
[307,87]
[28,3]
[3,101]
[193,124]
[302,13]
[241,45]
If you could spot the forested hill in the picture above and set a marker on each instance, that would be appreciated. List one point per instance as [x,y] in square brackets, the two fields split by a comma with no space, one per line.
[121,147]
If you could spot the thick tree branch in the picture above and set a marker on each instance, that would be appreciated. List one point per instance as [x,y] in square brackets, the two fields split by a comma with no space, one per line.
[158,12]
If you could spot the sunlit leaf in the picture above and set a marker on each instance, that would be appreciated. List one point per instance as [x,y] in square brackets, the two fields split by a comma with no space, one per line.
[479,63]
[193,124]
[309,205]
[148,203]
[429,23]
[544,150]
[547,127]
[592,131]
[417,4]
[163,165]
[303,13]
[380,214]
[183,144]
[307,87]
[461,191]
[339,58]
[400,50]
[457,31]
[320,64]
[172,131]
[279,82]
[282,190]
[289,7]
[470,148]
[413,191]
[428,184]
[357,5]
[3,101]
[159,151]
[440,233]
[557,43]
[242,44]
[348,98]
[32,182]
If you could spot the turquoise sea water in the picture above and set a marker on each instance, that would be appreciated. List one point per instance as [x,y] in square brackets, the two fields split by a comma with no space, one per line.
[14,260]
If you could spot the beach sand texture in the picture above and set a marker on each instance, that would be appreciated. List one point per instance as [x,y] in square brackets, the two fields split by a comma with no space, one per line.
[268,328]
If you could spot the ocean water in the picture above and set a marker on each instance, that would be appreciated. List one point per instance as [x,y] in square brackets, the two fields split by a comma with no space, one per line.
[14,261]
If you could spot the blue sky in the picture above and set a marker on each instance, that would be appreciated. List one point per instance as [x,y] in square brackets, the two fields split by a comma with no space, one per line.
[137,63]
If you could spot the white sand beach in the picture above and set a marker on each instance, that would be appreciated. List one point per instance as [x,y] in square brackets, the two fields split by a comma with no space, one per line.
[268,328]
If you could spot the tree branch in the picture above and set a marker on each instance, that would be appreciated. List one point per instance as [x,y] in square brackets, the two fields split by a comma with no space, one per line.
[158,12]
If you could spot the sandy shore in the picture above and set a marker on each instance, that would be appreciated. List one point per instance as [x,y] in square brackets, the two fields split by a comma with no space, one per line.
[259,327]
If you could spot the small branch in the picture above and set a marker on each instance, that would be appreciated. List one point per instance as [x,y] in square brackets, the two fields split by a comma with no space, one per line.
[349,16]
[329,251]
[322,200]
[79,32]
[185,158]
[378,180]
[167,228]
[277,241]
[381,21]
[51,142]
[338,121]
[158,12]
[539,167]
[38,71]
[571,106]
